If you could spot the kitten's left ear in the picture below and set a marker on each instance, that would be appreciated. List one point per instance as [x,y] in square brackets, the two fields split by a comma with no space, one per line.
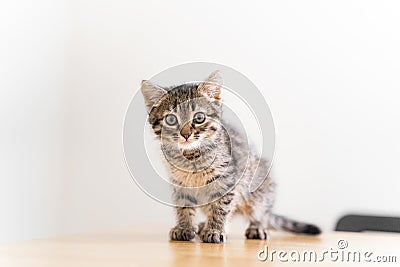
[152,93]
[212,85]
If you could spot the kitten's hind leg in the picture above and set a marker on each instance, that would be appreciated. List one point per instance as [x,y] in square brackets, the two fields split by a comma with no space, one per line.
[256,231]
[200,227]
[257,227]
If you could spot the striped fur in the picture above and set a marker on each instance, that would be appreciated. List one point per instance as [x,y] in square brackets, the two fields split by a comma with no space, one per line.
[212,159]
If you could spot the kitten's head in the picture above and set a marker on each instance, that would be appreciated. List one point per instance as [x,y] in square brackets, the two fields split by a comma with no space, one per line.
[187,116]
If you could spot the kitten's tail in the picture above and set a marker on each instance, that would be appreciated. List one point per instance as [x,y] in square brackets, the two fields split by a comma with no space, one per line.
[278,222]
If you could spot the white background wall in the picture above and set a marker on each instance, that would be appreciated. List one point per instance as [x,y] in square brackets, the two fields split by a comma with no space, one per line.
[329,71]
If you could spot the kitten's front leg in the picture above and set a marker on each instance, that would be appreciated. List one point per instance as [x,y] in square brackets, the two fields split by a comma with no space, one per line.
[185,230]
[218,213]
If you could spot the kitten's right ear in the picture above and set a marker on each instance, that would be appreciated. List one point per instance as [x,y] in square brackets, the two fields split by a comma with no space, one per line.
[151,94]
[211,87]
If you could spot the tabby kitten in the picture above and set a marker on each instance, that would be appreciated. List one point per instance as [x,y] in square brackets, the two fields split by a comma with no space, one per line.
[210,164]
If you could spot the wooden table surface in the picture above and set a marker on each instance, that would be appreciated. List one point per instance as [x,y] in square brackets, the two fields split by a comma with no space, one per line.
[149,246]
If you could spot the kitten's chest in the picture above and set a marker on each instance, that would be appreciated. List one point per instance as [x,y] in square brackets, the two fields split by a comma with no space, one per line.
[192,179]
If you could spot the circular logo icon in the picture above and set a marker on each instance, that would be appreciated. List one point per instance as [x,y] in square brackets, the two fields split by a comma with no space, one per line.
[172,137]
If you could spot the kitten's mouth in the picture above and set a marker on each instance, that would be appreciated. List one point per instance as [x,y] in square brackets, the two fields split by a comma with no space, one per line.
[187,144]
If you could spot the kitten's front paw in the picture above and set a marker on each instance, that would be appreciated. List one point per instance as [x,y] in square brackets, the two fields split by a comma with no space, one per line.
[182,233]
[212,236]
[256,233]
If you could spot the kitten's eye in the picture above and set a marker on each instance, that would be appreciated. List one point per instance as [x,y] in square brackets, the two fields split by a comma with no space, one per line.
[171,119]
[199,117]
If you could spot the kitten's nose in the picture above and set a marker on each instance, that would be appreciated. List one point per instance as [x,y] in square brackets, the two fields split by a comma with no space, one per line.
[186,131]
